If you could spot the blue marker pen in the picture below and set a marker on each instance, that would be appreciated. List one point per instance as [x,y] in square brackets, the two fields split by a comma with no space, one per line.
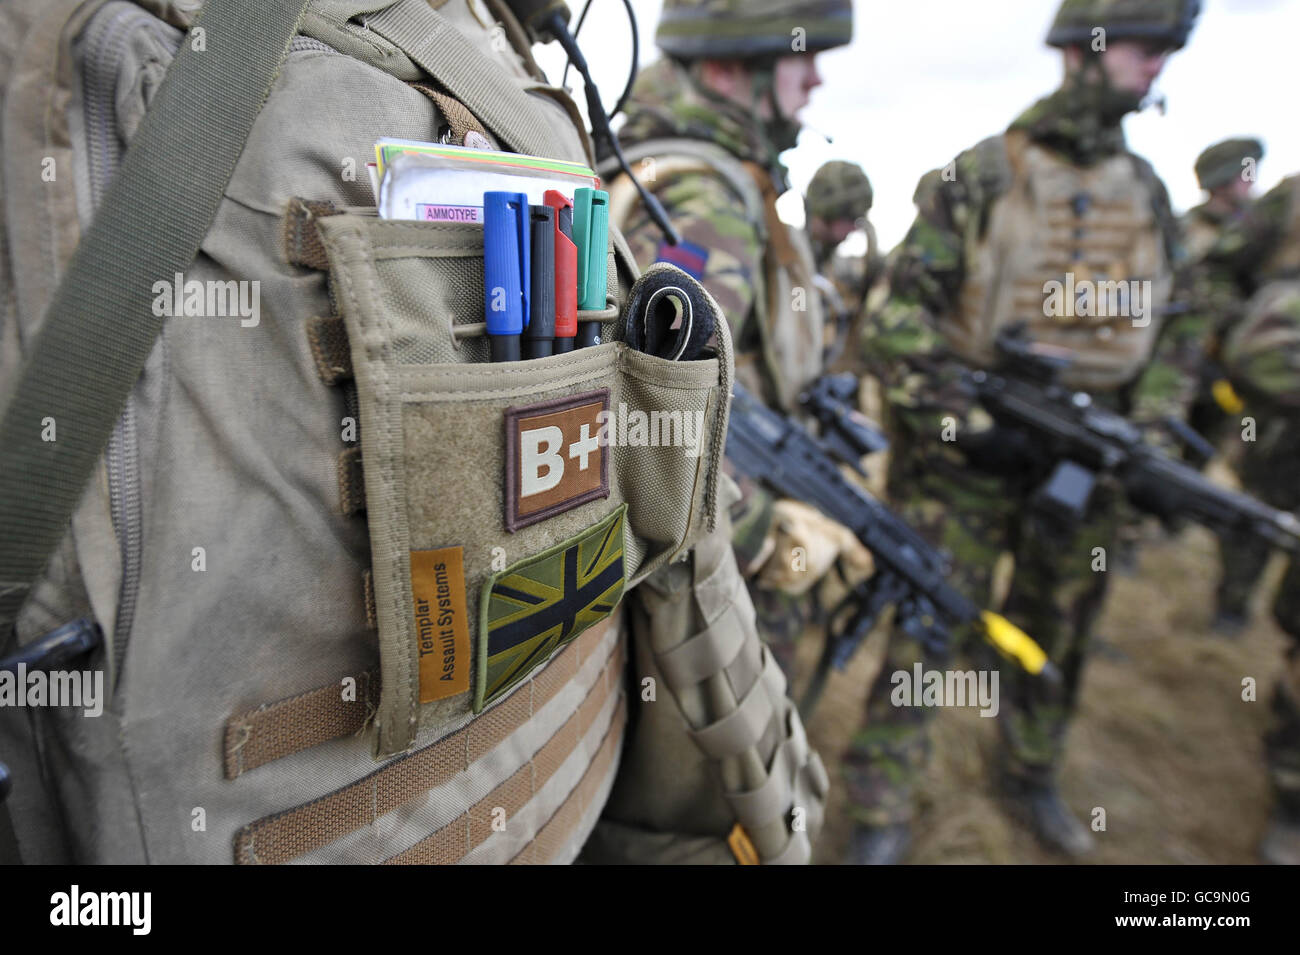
[505,270]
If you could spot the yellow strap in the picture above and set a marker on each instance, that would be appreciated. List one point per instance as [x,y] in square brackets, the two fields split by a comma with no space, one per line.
[1226,396]
[1011,641]
[741,847]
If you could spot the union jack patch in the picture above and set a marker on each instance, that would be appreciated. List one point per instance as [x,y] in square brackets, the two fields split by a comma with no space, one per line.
[538,606]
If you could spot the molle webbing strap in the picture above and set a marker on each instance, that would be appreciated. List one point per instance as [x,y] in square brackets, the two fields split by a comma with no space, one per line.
[280,729]
[368,598]
[276,730]
[460,119]
[558,830]
[749,703]
[302,244]
[330,349]
[352,482]
[452,843]
[481,84]
[99,328]
[744,726]
[295,832]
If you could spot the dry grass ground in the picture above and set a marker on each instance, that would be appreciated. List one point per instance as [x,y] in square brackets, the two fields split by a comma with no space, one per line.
[1163,740]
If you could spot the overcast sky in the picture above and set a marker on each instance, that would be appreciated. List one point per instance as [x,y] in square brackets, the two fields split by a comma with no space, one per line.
[927,78]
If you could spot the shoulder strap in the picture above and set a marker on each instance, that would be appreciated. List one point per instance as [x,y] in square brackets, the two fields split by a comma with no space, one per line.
[99,328]
[1170,234]
[778,234]
[754,186]
[436,46]
[727,166]
[1001,159]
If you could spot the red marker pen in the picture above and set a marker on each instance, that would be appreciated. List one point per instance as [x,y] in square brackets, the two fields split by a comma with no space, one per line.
[566,271]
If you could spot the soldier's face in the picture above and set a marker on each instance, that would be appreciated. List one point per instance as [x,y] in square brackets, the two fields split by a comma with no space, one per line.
[1133,65]
[830,231]
[1237,191]
[796,77]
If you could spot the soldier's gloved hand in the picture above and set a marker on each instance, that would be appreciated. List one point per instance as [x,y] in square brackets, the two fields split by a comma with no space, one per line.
[997,450]
[1156,434]
[804,546]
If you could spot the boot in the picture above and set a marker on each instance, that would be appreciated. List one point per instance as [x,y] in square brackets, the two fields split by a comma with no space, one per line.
[1054,823]
[879,845]
[1281,844]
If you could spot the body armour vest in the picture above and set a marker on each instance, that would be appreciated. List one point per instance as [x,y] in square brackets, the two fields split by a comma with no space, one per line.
[1077,254]
[779,346]
[1199,235]
[397,628]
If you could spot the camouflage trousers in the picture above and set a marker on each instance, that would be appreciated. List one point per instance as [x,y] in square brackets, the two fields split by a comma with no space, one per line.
[1055,595]
[1243,560]
[1270,470]
[1282,743]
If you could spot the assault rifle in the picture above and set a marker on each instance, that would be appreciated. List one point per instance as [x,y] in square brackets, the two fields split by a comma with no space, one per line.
[1079,441]
[910,575]
[847,432]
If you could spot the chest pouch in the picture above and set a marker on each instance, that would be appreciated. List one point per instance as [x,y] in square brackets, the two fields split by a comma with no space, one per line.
[510,504]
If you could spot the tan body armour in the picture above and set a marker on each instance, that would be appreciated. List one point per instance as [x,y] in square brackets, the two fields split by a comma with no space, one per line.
[1057,233]
[366,597]
[1284,262]
[787,327]
[1199,235]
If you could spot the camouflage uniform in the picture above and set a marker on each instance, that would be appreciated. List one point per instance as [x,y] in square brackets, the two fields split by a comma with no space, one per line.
[1036,203]
[839,191]
[1216,167]
[1261,255]
[715,169]
[1243,559]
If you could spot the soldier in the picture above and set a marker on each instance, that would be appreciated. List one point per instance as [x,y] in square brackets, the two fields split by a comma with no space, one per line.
[705,128]
[250,571]
[1226,171]
[836,204]
[1055,202]
[1261,254]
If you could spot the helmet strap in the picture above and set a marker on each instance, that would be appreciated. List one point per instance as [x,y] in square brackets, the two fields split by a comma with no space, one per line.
[1098,96]
[780,132]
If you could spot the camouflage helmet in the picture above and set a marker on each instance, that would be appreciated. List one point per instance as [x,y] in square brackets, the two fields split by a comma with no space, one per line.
[746,29]
[1168,21]
[839,190]
[1223,162]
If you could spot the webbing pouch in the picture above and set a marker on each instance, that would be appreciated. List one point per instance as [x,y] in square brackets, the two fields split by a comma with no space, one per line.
[510,505]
